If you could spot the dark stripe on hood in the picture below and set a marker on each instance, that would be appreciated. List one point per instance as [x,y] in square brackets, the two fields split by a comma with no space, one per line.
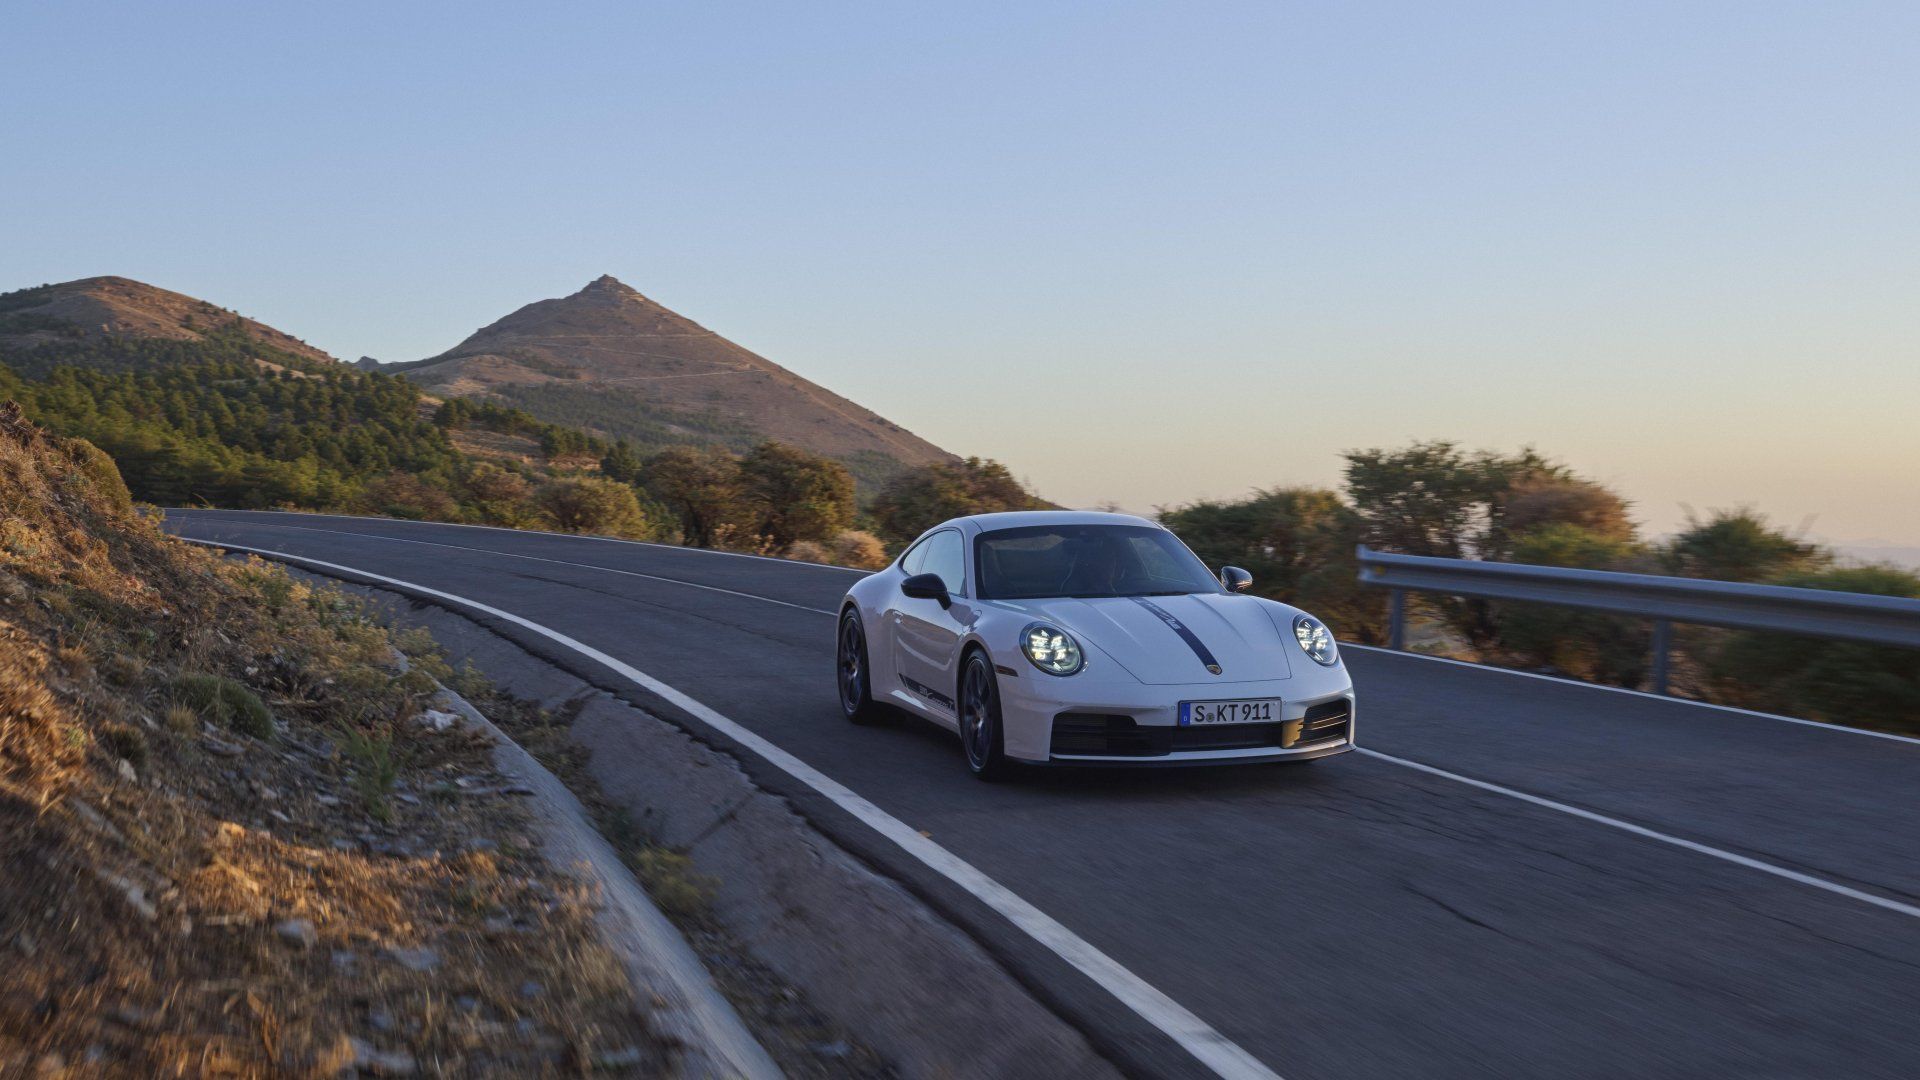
[1193,640]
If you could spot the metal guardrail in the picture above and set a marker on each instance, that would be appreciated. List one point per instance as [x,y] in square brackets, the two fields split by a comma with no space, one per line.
[1881,620]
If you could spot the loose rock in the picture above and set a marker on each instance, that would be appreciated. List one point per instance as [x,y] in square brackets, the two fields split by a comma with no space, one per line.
[298,932]
[420,959]
[371,1059]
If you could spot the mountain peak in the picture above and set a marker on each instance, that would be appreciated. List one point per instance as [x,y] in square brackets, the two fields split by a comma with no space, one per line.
[608,285]
[609,359]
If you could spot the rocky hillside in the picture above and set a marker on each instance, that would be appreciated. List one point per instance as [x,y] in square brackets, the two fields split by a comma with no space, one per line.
[229,846]
[608,359]
[117,307]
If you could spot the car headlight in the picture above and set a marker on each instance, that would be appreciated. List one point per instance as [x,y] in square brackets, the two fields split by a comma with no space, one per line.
[1051,649]
[1315,640]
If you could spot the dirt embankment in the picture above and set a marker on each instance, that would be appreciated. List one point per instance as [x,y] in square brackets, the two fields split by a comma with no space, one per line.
[231,841]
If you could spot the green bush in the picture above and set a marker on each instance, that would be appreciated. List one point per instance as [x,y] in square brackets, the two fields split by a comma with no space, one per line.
[1298,543]
[1584,644]
[226,702]
[590,504]
[1740,545]
[102,475]
[1873,686]
[376,769]
[917,499]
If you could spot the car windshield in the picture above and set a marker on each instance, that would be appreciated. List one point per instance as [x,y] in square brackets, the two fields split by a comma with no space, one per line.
[1047,561]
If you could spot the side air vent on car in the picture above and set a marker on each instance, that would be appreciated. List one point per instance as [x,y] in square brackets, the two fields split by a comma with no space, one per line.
[1327,720]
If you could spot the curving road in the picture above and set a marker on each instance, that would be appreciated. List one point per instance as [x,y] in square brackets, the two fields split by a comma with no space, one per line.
[1521,877]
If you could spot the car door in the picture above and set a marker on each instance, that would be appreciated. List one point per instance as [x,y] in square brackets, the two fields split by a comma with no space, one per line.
[926,636]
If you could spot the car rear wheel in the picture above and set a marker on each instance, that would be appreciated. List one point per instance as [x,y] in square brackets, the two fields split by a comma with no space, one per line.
[854,677]
[980,733]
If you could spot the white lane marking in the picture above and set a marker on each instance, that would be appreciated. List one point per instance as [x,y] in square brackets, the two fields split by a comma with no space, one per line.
[1840,728]
[535,532]
[1193,1034]
[536,558]
[1654,834]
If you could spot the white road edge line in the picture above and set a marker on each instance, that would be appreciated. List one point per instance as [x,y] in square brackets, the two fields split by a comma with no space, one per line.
[1839,728]
[537,558]
[524,532]
[1654,834]
[1193,1034]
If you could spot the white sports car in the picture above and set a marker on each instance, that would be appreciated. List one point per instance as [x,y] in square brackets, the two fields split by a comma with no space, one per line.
[1079,638]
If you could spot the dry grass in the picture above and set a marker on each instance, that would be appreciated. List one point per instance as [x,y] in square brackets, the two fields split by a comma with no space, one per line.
[780,1017]
[183,898]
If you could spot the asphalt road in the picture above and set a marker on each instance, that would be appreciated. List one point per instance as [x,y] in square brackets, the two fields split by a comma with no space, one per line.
[1356,917]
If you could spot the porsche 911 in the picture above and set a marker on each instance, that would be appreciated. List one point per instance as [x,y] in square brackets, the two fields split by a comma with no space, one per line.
[1081,638]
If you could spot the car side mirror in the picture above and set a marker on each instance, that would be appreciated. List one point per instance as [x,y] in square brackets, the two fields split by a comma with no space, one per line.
[926,587]
[1235,579]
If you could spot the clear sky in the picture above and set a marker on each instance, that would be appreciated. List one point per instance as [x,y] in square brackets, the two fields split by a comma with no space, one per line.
[1141,252]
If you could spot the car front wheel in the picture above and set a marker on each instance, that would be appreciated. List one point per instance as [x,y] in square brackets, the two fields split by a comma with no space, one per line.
[854,677]
[980,733]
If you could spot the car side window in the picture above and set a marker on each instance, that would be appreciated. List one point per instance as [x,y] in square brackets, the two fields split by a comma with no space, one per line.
[946,556]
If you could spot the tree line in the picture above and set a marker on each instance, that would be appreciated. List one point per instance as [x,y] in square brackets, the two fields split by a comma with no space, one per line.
[206,422]
[1437,499]
[229,421]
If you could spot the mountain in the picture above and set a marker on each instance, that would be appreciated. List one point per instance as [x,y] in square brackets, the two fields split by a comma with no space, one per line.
[608,359]
[199,405]
[121,308]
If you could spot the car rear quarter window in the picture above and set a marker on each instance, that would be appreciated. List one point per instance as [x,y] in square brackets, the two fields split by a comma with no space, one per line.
[915,558]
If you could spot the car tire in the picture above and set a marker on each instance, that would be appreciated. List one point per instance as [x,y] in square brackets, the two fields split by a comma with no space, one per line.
[853,676]
[981,735]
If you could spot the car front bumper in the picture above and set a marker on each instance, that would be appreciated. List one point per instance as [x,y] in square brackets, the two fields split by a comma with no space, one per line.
[1048,720]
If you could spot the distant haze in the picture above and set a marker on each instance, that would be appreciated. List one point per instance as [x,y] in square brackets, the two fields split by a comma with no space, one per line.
[1142,253]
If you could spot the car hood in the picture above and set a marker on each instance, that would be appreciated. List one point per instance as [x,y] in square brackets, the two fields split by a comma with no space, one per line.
[1244,635]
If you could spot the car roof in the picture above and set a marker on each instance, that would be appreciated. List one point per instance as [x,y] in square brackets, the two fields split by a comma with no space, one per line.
[1022,519]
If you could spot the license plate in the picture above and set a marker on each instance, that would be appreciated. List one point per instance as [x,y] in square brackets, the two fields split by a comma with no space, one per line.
[1246,711]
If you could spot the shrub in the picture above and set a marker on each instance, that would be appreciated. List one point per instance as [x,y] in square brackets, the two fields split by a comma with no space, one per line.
[796,495]
[226,702]
[1584,644]
[1534,502]
[498,494]
[1740,545]
[918,499]
[1874,686]
[808,551]
[1298,544]
[702,487]
[376,769]
[587,504]
[860,550]
[101,475]
[125,741]
[123,669]
[403,496]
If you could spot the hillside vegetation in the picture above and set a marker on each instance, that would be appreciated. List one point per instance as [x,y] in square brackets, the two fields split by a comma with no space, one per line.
[199,406]
[1437,499]
[228,845]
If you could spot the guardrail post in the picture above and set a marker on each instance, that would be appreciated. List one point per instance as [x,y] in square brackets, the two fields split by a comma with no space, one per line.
[1397,619]
[1662,650]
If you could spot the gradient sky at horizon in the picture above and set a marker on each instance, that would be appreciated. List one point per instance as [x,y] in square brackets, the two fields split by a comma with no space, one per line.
[1143,253]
